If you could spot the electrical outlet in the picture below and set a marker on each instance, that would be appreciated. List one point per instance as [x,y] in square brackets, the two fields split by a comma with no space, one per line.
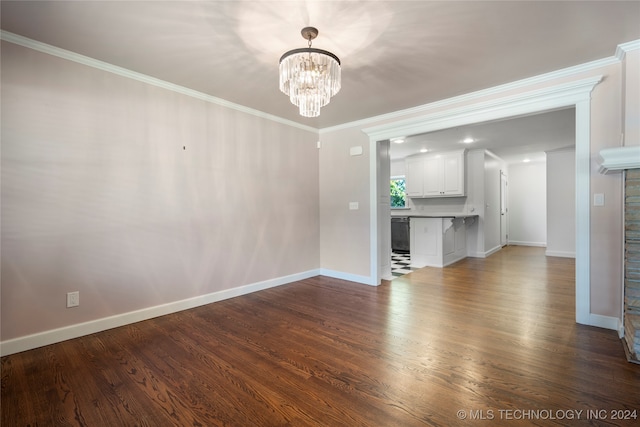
[73,299]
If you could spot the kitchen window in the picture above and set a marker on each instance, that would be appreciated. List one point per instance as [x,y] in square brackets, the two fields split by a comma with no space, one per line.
[398,193]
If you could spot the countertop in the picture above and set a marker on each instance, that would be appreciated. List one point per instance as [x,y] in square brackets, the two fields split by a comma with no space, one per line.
[440,215]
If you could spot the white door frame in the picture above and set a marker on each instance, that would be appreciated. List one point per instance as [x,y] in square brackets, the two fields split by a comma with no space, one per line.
[575,94]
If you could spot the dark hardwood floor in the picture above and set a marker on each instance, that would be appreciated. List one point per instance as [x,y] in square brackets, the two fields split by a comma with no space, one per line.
[483,342]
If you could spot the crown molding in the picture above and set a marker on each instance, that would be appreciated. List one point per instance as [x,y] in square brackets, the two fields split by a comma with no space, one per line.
[496,90]
[124,72]
[624,48]
[559,96]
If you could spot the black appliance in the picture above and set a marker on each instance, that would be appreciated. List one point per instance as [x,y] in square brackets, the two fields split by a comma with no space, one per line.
[400,234]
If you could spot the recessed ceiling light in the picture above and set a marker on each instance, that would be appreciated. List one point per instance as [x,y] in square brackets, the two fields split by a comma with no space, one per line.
[526,160]
[424,150]
[468,140]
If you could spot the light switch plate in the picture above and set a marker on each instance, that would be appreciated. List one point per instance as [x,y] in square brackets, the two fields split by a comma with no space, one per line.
[598,199]
[353,206]
[356,151]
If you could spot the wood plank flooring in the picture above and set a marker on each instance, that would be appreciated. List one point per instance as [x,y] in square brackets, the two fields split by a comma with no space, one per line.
[483,342]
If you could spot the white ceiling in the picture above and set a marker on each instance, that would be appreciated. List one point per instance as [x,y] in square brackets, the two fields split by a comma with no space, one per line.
[395,54]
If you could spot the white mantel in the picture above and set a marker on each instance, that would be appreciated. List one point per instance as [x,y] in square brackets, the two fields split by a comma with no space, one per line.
[619,158]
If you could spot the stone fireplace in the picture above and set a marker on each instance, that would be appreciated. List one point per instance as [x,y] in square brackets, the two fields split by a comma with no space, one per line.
[632,264]
[627,161]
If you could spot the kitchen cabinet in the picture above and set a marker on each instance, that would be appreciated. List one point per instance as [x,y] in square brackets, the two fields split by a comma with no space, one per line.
[414,177]
[438,241]
[436,175]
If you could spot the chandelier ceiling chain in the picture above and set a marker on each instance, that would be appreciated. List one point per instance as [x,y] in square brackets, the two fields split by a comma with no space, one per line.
[309,76]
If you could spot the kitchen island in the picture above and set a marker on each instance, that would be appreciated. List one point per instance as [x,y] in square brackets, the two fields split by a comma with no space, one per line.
[438,240]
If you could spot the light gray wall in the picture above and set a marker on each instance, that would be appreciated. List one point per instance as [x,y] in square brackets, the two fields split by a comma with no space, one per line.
[344,237]
[561,203]
[99,195]
[527,204]
[631,97]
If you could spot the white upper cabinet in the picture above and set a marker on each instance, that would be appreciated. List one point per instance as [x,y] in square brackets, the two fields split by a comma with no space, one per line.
[436,175]
[453,174]
[414,177]
[432,176]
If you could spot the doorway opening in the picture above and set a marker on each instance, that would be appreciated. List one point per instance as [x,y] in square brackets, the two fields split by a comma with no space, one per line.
[535,148]
[575,94]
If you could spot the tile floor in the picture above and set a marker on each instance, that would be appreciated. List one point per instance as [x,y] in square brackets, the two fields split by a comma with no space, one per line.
[400,264]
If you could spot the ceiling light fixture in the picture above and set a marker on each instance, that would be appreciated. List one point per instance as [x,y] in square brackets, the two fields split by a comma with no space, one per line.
[309,76]
[468,140]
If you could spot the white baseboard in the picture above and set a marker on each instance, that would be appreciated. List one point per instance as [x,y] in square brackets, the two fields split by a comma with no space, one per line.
[453,260]
[620,328]
[348,276]
[483,254]
[522,243]
[563,254]
[606,322]
[40,339]
[492,251]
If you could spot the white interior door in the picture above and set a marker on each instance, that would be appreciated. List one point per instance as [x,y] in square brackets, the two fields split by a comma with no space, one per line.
[504,210]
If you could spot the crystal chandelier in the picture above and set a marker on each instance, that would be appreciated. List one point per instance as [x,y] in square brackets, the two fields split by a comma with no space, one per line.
[309,76]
